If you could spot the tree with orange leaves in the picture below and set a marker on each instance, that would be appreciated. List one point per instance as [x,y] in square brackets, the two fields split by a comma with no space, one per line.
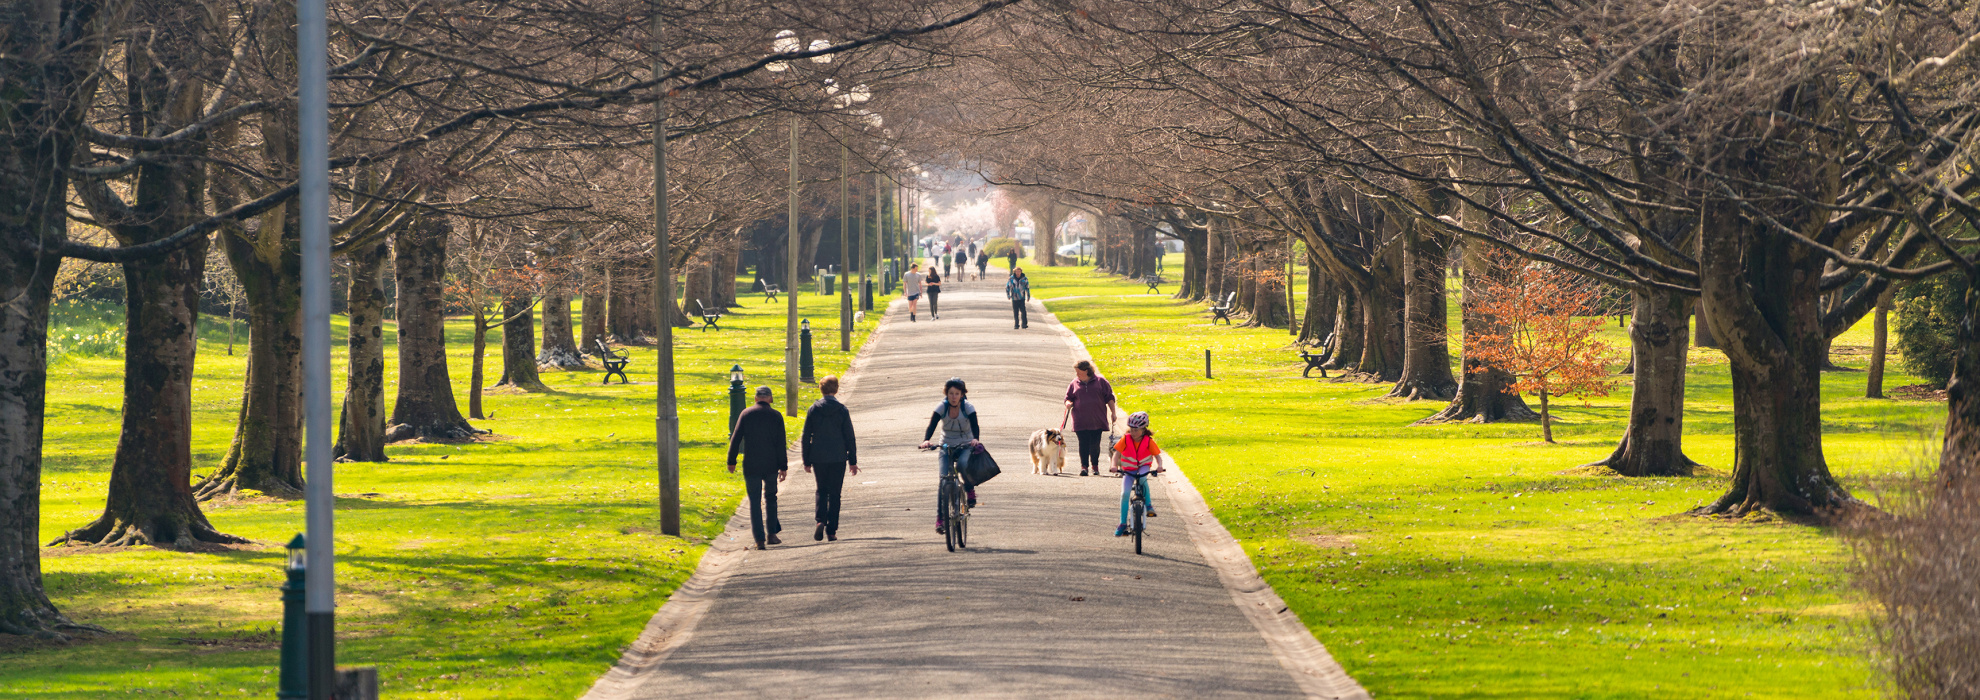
[1545,336]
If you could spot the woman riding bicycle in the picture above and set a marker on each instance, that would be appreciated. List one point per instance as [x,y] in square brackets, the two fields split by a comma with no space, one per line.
[956,416]
[1135,456]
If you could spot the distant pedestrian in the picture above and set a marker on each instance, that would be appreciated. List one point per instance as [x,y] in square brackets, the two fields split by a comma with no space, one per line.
[1018,290]
[933,283]
[1091,406]
[982,264]
[1160,251]
[829,453]
[962,263]
[759,435]
[944,256]
[912,287]
[1011,255]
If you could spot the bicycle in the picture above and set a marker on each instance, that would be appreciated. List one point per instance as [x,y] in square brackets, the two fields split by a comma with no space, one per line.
[955,509]
[1137,509]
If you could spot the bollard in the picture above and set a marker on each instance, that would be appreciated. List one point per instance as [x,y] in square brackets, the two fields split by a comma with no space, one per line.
[866,295]
[736,398]
[360,683]
[294,682]
[1206,363]
[804,352]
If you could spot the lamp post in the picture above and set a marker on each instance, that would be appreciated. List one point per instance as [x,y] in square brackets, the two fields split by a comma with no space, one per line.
[295,640]
[736,398]
[786,41]
[313,211]
[666,409]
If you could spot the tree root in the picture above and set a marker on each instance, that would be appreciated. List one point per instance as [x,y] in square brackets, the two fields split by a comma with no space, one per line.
[1467,412]
[228,481]
[164,530]
[45,623]
[1415,390]
[458,432]
[561,359]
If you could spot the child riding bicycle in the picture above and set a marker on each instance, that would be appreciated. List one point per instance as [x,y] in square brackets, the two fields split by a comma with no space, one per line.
[1135,456]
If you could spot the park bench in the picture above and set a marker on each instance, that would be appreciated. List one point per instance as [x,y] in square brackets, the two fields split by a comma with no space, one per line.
[1223,311]
[770,292]
[1154,283]
[708,316]
[1313,360]
[614,363]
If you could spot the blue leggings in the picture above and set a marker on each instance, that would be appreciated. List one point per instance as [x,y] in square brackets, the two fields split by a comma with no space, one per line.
[1127,486]
[953,461]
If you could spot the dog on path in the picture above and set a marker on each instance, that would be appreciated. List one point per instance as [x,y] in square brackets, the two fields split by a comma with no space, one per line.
[1048,452]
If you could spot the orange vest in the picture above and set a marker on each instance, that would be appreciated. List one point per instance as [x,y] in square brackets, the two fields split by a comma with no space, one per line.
[1139,456]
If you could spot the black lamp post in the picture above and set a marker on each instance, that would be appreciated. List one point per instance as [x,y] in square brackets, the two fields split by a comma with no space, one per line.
[295,656]
[804,352]
[736,398]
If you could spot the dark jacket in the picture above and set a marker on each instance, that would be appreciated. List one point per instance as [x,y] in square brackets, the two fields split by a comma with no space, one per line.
[760,437]
[828,434]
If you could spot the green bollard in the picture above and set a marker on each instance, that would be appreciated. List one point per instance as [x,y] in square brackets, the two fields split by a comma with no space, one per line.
[804,353]
[295,644]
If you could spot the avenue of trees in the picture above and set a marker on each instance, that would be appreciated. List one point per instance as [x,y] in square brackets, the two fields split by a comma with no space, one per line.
[1751,175]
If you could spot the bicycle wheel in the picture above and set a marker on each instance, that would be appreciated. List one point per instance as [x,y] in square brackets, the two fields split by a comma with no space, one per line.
[949,515]
[1135,525]
[962,530]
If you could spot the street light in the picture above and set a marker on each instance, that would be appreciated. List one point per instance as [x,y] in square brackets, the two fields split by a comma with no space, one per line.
[736,398]
[786,41]
[294,682]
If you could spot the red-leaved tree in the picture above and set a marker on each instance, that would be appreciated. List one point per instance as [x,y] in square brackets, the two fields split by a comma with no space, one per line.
[1545,336]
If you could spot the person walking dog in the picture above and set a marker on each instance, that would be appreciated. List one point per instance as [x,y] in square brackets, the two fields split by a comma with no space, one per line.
[1090,404]
[759,436]
[829,452]
[1018,290]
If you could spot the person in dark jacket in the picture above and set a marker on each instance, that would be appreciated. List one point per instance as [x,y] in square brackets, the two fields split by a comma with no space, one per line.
[759,436]
[1018,290]
[829,452]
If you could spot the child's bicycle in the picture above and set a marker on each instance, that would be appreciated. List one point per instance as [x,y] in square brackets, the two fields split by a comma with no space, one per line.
[955,510]
[1137,509]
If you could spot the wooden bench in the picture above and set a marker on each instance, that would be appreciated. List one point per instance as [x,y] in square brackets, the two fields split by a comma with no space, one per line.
[770,292]
[708,317]
[1313,360]
[1154,283]
[1223,311]
[614,363]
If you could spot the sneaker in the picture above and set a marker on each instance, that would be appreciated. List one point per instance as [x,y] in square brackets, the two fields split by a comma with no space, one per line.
[1151,512]
[1082,472]
[1120,530]
[910,317]
[942,529]
[831,537]
[759,545]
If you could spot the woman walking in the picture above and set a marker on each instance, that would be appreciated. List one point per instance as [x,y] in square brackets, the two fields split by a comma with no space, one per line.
[933,283]
[1090,404]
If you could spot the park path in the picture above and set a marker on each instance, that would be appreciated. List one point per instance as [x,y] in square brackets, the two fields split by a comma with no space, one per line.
[1045,601]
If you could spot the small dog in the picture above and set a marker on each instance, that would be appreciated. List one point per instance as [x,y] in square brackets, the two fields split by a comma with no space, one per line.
[859,317]
[1048,452]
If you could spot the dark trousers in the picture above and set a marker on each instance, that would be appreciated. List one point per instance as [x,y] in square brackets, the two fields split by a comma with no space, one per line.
[1089,449]
[1020,317]
[762,504]
[933,299]
[831,478]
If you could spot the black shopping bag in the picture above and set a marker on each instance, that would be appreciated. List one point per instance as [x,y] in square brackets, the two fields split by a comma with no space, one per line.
[982,467]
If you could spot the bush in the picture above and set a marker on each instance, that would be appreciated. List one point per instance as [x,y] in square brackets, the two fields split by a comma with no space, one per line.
[1000,247]
[1927,326]
[1916,563]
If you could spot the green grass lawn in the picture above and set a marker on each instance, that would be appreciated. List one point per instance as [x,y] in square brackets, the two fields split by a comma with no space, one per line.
[516,567]
[1458,561]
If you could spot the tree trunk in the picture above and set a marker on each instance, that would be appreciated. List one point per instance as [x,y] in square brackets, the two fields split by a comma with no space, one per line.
[1761,292]
[361,425]
[1959,455]
[1382,343]
[1426,363]
[1045,233]
[1348,334]
[593,311]
[519,345]
[1653,441]
[1192,287]
[630,316]
[1879,346]
[266,454]
[425,404]
[1322,300]
[478,364]
[1546,419]
[1483,394]
[560,349]
[728,257]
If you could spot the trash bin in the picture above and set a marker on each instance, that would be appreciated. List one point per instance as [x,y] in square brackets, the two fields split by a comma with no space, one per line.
[828,284]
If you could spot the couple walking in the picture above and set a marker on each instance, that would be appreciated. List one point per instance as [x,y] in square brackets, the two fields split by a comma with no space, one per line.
[827,449]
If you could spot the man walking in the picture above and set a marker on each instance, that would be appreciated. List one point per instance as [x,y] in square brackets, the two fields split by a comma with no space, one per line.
[1018,289]
[760,436]
[1011,256]
[829,452]
[911,286]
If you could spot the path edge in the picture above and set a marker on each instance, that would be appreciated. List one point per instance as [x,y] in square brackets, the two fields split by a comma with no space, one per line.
[1295,647]
[674,623]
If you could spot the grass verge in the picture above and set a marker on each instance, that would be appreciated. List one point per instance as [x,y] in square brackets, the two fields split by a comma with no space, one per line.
[518,566]
[1460,560]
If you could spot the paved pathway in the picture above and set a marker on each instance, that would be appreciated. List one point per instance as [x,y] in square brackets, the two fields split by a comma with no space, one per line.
[1045,602]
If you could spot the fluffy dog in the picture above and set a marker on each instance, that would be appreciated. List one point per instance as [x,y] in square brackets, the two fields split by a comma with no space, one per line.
[1048,452]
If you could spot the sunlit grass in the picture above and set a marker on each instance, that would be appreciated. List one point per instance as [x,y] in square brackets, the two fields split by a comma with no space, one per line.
[516,567]
[1457,561]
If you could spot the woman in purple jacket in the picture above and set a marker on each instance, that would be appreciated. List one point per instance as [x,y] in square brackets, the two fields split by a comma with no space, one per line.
[1090,404]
